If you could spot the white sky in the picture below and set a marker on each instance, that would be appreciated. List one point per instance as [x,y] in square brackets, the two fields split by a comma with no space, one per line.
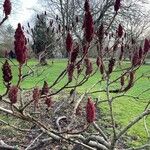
[24,13]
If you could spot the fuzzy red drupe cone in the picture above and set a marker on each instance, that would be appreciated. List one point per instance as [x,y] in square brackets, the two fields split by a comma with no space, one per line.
[36,96]
[98,62]
[48,101]
[77,19]
[111,65]
[117,5]
[20,45]
[88,26]
[120,31]
[121,53]
[86,6]
[135,59]
[140,53]
[79,69]
[74,54]
[90,111]
[6,69]
[146,46]
[100,33]
[70,70]
[69,42]
[45,88]
[89,67]
[7,7]
[13,94]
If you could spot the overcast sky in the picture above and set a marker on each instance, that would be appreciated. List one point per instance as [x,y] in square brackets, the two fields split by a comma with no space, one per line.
[24,12]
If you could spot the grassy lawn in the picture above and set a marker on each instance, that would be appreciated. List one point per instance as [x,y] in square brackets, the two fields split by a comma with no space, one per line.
[125,108]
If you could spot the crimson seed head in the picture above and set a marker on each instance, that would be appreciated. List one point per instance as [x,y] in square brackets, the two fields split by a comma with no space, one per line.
[146,46]
[48,101]
[77,19]
[7,7]
[133,41]
[101,68]
[59,27]
[98,61]
[117,5]
[88,26]
[84,49]
[90,111]
[111,65]
[135,59]
[74,54]
[6,69]
[13,94]
[70,70]
[20,45]
[120,31]
[89,67]
[86,6]
[79,69]
[69,42]
[45,88]
[140,52]
[36,96]
[100,32]
[121,53]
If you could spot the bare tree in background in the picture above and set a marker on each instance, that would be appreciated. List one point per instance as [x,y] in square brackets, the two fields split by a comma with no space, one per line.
[133,16]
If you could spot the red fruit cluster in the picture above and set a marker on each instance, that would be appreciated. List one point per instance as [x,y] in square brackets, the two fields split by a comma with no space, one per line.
[48,101]
[121,53]
[117,5]
[6,69]
[74,54]
[111,65]
[13,94]
[90,111]
[70,70]
[146,46]
[7,7]
[69,42]
[98,61]
[140,52]
[85,49]
[36,96]
[86,5]
[45,88]
[20,45]
[77,19]
[100,33]
[135,59]
[88,24]
[79,69]
[89,67]
[120,31]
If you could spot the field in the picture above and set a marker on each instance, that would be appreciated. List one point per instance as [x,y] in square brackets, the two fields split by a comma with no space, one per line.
[125,108]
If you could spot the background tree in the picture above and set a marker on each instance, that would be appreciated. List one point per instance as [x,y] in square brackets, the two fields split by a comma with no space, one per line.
[43,37]
[133,16]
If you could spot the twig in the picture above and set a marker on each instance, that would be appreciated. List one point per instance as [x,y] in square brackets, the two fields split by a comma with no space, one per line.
[34,141]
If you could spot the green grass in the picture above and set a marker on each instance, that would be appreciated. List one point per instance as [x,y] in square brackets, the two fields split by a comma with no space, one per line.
[125,108]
